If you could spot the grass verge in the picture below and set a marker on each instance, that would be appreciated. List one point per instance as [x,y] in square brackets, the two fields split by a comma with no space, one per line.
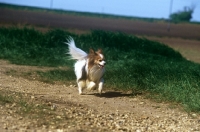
[133,63]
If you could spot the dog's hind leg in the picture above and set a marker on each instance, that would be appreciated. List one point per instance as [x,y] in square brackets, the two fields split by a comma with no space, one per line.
[80,75]
[81,85]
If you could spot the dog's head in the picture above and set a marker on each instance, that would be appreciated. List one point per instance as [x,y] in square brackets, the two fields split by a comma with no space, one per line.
[96,58]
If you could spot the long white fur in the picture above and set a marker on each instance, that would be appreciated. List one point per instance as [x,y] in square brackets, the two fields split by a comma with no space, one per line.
[82,65]
[75,52]
[79,55]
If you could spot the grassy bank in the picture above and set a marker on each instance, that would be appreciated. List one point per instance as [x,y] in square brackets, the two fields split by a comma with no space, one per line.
[132,63]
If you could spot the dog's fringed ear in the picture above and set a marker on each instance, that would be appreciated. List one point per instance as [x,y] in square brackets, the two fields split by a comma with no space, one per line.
[99,51]
[91,51]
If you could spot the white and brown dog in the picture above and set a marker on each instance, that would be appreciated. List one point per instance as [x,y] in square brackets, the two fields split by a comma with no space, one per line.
[89,68]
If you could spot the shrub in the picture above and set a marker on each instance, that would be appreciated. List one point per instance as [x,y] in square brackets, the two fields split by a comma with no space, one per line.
[182,16]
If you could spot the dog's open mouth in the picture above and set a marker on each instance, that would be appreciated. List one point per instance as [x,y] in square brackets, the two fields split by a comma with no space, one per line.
[101,66]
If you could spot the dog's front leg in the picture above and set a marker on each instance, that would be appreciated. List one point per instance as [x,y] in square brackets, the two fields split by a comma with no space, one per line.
[100,88]
[81,85]
[91,85]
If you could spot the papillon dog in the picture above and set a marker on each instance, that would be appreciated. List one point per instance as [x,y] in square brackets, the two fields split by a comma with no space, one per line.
[89,68]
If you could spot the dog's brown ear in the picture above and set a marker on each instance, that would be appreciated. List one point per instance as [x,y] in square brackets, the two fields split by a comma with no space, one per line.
[91,51]
[99,51]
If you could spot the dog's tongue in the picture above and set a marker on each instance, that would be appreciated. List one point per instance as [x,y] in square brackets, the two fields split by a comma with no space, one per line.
[101,66]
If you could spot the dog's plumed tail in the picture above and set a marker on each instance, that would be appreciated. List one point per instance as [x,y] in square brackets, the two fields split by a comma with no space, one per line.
[76,53]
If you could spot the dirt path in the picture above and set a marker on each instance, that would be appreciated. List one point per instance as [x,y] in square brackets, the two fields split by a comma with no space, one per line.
[113,111]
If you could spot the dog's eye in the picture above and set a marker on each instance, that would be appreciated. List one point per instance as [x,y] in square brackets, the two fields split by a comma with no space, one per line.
[100,60]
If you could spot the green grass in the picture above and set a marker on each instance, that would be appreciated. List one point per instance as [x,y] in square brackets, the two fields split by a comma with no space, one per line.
[52,76]
[133,63]
[27,46]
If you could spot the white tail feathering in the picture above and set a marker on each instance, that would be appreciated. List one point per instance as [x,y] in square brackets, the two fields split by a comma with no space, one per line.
[75,52]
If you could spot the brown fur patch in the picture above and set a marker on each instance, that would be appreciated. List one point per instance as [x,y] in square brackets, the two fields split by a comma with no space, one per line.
[94,57]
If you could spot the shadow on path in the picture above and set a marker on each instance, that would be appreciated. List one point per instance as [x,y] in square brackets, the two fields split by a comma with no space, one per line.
[114,94]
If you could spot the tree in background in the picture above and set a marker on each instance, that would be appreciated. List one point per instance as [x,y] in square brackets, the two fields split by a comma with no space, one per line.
[182,16]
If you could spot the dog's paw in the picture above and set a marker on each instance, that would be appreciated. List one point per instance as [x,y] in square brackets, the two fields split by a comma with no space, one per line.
[100,92]
[80,91]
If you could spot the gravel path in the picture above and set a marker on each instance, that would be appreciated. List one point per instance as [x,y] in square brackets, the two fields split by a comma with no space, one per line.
[113,111]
